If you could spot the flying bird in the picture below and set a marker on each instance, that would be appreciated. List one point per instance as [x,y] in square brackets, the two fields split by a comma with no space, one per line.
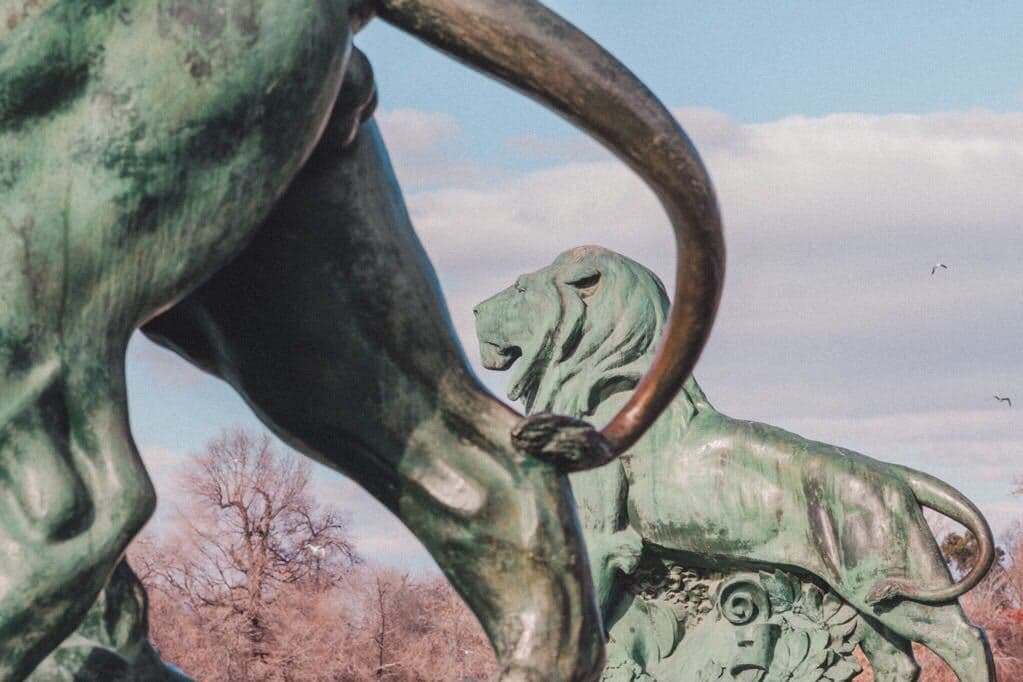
[938,265]
[1004,400]
[316,550]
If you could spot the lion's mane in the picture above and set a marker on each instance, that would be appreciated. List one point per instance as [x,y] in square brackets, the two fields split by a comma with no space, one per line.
[607,343]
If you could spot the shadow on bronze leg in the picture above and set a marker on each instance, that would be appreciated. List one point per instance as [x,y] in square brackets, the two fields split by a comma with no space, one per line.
[332,327]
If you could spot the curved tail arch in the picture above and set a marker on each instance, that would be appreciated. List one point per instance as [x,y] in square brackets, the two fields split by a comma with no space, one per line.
[935,494]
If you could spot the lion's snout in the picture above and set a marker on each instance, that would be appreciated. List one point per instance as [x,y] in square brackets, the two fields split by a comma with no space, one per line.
[491,329]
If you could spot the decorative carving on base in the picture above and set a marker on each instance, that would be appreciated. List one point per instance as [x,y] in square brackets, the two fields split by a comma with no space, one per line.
[703,625]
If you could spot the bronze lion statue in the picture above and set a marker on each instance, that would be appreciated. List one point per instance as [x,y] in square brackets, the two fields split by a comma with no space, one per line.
[578,335]
[209,171]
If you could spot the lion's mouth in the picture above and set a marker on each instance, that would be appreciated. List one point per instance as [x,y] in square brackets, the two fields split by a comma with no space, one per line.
[498,357]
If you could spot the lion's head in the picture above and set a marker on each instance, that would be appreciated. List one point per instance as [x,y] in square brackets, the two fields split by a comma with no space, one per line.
[574,332]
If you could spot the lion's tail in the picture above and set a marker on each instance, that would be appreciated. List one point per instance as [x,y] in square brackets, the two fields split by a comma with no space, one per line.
[944,499]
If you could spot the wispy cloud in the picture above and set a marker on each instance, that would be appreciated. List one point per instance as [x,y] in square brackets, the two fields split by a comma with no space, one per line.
[540,148]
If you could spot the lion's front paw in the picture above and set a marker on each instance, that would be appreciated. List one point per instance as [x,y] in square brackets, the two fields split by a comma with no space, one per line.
[569,444]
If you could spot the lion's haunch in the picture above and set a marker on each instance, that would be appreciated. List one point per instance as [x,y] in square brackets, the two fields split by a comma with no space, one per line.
[569,444]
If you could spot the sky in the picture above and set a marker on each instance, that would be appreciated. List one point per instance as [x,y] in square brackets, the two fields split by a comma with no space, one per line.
[852,147]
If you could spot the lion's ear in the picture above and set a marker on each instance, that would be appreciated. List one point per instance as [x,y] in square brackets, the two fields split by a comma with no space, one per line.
[583,279]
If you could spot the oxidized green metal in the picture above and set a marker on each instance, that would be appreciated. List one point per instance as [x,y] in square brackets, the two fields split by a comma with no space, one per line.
[111,643]
[704,491]
[147,144]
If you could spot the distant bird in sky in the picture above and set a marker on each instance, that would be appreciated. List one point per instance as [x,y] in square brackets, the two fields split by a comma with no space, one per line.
[1004,400]
[938,265]
[316,550]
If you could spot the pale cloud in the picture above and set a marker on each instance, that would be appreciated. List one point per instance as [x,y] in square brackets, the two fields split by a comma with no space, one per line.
[540,148]
[427,149]
[417,133]
[843,175]
[938,426]
[1004,516]
[711,127]
[713,131]
[396,547]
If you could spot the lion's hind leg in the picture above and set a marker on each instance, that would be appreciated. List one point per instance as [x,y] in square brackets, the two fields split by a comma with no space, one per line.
[942,628]
[890,656]
[945,630]
[885,540]
[331,326]
[74,492]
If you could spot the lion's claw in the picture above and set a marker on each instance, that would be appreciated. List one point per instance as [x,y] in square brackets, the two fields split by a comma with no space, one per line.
[883,591]
[569,444]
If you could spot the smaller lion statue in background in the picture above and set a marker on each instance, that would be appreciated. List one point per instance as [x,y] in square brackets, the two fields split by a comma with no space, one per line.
[707,489]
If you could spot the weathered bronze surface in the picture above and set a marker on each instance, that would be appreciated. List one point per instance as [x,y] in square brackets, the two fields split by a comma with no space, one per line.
[143,144]
[111,643]
[704,491]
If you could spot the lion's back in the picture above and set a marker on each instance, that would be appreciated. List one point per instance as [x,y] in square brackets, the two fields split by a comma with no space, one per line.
[744,488]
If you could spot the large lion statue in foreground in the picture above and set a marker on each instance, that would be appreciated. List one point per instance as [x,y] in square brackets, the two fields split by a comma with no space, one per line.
[706,488]
[209,171]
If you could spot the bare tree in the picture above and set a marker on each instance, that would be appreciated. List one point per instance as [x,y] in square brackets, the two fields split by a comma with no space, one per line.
[258,582]
[249,527]
[388,592]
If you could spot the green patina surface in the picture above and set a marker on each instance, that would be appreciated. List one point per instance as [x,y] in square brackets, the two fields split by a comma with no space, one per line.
[702,490]
[111,642]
